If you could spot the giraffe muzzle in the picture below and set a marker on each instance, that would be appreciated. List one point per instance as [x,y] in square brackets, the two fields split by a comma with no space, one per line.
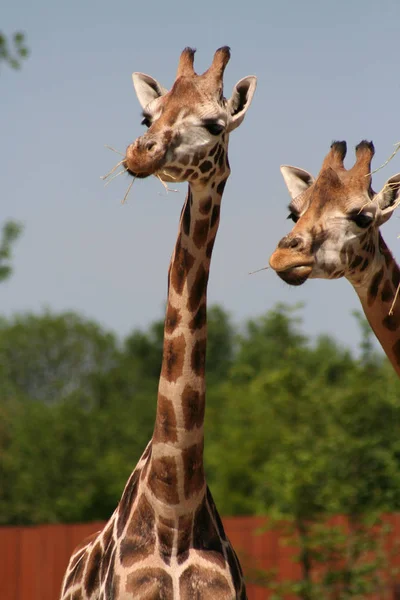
[145,157]
[291,268]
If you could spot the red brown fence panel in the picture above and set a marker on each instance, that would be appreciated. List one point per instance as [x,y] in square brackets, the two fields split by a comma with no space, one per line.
[33,559]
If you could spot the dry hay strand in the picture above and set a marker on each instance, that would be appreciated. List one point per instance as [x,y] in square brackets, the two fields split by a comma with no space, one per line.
[394,300]
[395,151]
[164,184]
[258,270]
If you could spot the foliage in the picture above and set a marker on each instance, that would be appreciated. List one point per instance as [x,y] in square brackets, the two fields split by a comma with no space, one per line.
[11,232]
[296,430]
[13,52]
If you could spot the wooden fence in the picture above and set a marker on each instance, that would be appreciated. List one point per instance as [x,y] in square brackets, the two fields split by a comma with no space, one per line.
[33,559]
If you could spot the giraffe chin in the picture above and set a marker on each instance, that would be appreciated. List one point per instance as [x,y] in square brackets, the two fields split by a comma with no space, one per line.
[138,175]
[296,275]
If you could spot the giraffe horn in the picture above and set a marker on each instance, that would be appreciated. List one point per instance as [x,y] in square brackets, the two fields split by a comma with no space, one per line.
[335,156]
[218,65]
[185,66]
[364,155]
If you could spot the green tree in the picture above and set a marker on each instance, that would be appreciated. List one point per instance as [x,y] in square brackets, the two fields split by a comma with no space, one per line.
[50,356]
[13,52]
[10,233]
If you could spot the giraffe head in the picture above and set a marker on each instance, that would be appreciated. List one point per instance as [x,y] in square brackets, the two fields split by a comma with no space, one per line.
[188,124]
[337,218]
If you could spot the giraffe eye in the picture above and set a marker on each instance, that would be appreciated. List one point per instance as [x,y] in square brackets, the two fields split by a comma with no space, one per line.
[214,128]
[361,220]
[293,216]
[146,121]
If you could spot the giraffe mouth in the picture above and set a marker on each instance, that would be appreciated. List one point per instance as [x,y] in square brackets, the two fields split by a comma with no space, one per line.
[134,174]
[295,274]
[141,160]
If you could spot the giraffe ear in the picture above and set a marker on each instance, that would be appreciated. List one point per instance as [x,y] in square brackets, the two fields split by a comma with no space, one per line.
[240,100]
[388,199]
[147,88]
[297,180]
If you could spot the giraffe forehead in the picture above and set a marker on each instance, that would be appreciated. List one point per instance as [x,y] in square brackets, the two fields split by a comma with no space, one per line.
[188,98]
[333,192]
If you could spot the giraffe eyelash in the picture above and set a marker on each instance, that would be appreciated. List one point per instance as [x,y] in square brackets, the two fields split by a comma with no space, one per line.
[362,220]
[293,216]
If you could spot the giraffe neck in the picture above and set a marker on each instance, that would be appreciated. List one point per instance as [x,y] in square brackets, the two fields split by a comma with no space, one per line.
[377,291]
[176,475]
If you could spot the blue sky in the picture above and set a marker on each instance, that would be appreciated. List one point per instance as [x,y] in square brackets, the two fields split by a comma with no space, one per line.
[325,71]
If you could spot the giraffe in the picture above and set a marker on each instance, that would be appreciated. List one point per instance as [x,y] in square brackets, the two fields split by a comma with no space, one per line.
[336,234]
[165,539]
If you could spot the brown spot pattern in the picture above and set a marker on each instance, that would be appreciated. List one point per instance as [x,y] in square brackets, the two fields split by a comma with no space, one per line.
[215,215]
[76,574]
[127,500]
[396,352]
[199,319]
[176,171]
[235,568]
[172,319]
[216,516]
[193,403]
[195,160]
[140,538]
[185,526]
[165,427]
[387,292]
[198,359]
[150,584]
[205,205]
[374,287]
[173,357]
[206,537]
[77,558]
[210,247]
[163,479]
[221,158]
[192,459]
[207,584]
[186,217]
[112,580]
[391,322]
[182,263]
[221,186]
[200,232]
[188,173]
[218,154]
[107,548]
[92,574]
[356,262]
[198,289]
[213,150]
[165,534]
[206,166]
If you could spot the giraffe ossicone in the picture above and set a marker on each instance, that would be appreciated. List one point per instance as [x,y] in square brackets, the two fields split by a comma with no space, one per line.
[336,234]
[165,539]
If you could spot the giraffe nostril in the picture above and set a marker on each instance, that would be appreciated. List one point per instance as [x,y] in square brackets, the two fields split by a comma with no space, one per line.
[294,242]
[150,145]
[290,242]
